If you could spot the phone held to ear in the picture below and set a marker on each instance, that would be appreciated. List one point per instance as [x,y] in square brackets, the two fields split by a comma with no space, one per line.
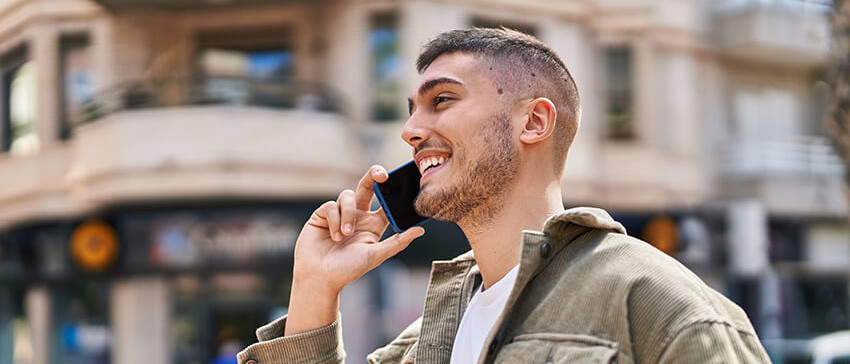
[397,194]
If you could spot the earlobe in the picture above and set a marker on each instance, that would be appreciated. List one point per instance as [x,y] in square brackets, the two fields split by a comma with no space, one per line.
[540,121]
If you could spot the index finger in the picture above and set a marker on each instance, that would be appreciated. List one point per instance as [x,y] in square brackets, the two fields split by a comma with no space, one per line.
[364,192]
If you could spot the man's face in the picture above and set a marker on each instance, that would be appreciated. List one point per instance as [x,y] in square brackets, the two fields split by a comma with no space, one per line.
[462,135]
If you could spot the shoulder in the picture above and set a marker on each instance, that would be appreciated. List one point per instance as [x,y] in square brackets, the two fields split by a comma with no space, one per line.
[661,299]
[653,282]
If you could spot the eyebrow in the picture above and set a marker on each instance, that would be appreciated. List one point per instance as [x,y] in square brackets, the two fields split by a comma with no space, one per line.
[429,85]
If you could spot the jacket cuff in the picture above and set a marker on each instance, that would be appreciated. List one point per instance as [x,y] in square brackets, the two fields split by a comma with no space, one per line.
[319,346]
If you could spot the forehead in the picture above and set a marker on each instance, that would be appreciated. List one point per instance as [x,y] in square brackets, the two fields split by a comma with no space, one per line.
[463,67]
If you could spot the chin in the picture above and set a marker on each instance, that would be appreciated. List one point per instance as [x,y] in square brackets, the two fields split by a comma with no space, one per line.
[427,205]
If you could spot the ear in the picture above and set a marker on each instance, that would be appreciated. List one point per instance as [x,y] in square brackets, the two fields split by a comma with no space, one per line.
[539,122]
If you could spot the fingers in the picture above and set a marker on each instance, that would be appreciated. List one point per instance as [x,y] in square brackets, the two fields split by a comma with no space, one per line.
[363,195]
[396,243]
[331,212]
[348,211]
[374,221]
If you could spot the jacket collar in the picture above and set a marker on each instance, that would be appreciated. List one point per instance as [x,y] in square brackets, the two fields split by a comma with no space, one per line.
[591,217]
[452,281]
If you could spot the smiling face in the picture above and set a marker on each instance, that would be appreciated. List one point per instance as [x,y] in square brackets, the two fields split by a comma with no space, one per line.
[463,140]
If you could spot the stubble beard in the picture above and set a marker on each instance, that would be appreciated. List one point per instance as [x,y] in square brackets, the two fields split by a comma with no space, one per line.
[481,192]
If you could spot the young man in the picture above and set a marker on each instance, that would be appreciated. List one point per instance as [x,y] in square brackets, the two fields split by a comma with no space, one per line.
[490,125]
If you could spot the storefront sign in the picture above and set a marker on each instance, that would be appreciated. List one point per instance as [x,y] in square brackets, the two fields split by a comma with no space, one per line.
[242,241]
[94,246]
[189,239]
[662,233]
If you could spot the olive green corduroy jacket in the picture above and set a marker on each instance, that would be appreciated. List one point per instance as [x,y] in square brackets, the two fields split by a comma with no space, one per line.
[585,293]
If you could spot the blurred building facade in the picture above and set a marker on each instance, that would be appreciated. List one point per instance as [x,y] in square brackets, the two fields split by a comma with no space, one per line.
[159,157]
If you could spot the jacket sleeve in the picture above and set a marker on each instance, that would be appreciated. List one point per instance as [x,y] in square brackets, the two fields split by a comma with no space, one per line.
[714,342]
[319,346]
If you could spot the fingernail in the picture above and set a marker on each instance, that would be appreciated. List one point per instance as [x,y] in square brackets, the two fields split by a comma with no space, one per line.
[347,228]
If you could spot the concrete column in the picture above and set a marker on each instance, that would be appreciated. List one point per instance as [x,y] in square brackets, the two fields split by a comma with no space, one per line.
[358,320]
[421,21]
[683,120]
[38,315]
[747,249]
[45,57]
[569,41]
[141,321]
[102,51]
[348,25]
[643,89]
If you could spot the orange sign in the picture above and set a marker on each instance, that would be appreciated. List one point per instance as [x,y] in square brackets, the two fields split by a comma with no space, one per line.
[94,246]
[661,232]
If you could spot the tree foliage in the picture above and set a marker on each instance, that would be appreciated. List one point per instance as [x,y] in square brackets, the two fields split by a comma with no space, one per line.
[838,118]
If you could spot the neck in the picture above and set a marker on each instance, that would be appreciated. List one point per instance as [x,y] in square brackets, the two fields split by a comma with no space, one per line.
[497,242]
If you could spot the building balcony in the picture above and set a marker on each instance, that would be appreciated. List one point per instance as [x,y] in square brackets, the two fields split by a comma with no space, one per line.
[218,139]
[778,31]
[185,4]
[800,175]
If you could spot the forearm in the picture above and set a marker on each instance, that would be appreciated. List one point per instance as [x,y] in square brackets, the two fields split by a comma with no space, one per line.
[312,305]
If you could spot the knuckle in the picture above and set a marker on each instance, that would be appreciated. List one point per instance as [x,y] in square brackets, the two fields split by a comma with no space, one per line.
[346,194]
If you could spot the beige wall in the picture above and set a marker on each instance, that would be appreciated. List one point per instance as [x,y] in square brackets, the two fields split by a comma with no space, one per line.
[684,104]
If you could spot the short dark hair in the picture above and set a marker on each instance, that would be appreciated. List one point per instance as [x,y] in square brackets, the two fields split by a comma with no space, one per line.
[520,65]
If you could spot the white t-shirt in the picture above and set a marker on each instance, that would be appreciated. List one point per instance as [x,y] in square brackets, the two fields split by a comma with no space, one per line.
[480,316]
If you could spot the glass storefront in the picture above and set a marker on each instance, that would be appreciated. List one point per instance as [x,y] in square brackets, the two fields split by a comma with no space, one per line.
[227,272]
[80,323]
[15,335]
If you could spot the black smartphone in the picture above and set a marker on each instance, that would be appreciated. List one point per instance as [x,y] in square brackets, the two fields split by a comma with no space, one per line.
[397,194]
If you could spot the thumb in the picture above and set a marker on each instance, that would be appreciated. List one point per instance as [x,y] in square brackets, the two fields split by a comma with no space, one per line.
[396,243]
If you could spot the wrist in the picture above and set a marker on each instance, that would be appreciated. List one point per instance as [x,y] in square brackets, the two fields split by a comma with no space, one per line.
[314,284]
[311,306]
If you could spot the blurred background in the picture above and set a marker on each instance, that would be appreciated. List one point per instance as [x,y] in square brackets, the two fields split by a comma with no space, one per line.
[158,158]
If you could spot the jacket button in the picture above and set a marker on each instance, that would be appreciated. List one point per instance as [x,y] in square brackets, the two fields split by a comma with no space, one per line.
[545,250]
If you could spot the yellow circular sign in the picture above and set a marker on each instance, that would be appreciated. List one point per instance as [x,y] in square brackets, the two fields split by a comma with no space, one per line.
[662,233]
[94,246]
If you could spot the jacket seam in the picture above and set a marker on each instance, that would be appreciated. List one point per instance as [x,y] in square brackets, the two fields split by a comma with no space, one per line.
[666,343]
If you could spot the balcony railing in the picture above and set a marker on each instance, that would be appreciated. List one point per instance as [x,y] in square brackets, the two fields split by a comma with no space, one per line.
[789,32]
[170,92]
[813,6]
[798,156]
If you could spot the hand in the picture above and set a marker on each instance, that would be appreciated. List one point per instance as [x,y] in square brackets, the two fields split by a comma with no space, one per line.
[338,244]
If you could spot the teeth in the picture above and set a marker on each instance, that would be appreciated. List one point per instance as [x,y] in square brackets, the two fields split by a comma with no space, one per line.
[430,162]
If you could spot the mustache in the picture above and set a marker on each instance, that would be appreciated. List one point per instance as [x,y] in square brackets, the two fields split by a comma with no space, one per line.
[430,144]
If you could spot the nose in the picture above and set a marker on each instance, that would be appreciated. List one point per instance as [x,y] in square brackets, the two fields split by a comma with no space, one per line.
[414,132]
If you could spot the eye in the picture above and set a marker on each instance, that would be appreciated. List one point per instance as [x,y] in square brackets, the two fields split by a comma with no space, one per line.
[440,99]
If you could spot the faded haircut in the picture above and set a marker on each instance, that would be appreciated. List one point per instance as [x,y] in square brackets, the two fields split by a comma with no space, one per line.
[520,66]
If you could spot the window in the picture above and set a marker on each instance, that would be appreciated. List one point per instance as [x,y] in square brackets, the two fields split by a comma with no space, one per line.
[81,331]
[619,113]
[78,84]
[384,42]
[255,53]
[19,102]
[247,66]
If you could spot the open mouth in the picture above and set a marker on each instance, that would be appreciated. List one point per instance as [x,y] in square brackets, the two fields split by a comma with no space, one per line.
[429,164]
